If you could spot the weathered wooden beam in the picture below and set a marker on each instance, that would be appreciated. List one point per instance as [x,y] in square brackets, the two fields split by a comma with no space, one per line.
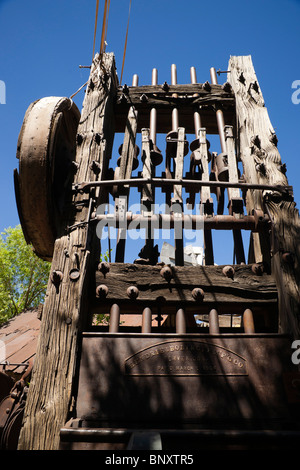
[246,286]
[49,400]
[262,164]
[181,97]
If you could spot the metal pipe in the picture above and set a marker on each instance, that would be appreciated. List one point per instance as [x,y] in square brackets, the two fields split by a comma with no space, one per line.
[135,80]
[146,320]
[189,221]
[197,117]
[248,321]
[153,112]
[180,322]
[185,183]
[175,118]
[114,318]
[214,322]
[219,114]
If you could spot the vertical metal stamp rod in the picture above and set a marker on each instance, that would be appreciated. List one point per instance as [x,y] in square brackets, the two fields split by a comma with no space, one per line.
[153,112]
[219,114]
[146,320]
[197,117]
[180,322]
[156,156]
[214,322]
[114,318]
[248,321]
[175,118]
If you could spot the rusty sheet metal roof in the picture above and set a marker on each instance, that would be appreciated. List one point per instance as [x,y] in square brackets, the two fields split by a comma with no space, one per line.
[18,339]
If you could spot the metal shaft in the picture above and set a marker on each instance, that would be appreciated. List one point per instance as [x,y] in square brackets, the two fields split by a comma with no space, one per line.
[153,112]
[135,80]
[146,320]
[219,114]
[175,118]
[114,318]
[180,321]
[248,321]
[197,117]
[214,322]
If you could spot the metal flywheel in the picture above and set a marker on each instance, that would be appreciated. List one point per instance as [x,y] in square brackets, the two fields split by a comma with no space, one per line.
[46,152]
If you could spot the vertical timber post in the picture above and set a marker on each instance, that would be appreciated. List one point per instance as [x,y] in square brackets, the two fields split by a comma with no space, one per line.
[262,164]
[66,303]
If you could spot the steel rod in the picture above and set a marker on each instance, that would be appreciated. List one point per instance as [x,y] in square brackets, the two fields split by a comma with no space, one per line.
[146,320]
[175,118]
[248,321]
[217,222]
[219,114]
[185,183]
[214,322]
[197,117]
[180,322]
[153,112]
[114,318]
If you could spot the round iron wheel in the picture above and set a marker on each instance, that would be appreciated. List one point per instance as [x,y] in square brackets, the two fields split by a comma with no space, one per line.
[46,151]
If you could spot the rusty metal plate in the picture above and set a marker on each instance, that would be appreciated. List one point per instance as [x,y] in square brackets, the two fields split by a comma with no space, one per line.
[185,357]
[224,380]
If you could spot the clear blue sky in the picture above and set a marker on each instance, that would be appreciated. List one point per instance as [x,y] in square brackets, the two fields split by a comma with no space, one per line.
[44,42]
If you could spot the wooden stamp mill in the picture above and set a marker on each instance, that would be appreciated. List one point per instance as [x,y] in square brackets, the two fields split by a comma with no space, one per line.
[194,355]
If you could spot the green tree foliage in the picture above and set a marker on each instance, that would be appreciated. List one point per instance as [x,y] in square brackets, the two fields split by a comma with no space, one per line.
[23,276]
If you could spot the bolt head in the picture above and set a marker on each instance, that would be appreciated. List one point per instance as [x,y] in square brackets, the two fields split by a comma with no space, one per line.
[132,292]
[198,294]
[166,273]
[101,291]
[228,271]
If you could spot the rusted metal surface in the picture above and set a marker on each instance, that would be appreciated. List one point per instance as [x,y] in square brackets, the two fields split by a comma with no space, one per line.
[46,151]
[220,380]
[20,336]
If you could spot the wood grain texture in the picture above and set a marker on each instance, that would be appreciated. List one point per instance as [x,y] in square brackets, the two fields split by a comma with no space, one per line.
[50,393]
[262,163]
[245,287]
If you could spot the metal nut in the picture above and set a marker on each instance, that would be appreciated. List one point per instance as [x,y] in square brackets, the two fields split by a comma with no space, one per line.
[198,294]
[132,292]
[101,291]
[166,272]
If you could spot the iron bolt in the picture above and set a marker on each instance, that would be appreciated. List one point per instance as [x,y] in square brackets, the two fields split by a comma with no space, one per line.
[132,292]
[288,257]
[257,269]
[227,87]
[102,290]
[198,293]
[228,271]
[56,277]
[79,139]
[166,272]
[95,167]
[165,86]
[103,267]
[206,86]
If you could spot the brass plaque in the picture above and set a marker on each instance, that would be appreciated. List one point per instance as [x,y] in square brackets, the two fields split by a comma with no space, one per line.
[180,357]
